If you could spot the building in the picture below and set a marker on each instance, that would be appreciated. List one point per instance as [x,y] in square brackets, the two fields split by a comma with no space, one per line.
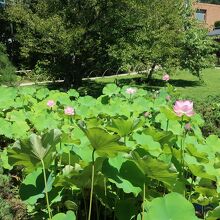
[208,13]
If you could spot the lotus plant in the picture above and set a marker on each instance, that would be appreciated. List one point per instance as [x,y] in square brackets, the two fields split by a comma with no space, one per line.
[166,77]
[69,111]
[131,91]
[183,107]
[50,103]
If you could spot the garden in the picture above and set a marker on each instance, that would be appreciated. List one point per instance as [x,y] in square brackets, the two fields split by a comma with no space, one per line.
[107,115]
[129,154]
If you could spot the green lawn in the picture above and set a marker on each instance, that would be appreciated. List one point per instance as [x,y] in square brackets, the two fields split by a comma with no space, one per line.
[187,84]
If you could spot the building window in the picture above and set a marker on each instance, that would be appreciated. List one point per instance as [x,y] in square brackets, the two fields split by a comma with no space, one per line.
[201,14]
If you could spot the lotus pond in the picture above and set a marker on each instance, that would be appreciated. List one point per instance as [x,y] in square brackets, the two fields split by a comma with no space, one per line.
[129,154]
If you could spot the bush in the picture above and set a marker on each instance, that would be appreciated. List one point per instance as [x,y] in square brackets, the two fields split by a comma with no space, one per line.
[11,207]
[7,70]
[210,110]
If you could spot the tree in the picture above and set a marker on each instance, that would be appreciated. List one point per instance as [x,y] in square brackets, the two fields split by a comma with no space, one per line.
[95,35]
[197,49]
[7,70]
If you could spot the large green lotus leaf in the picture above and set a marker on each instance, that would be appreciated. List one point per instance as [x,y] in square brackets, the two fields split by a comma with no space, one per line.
[197,120]
[126,209]
[15,115]
[104,143]
[7,97]
[70,215]
[131,172]
[87,101]
[147,142]
[118,107]
[22,155]
[5,128]
[140,105]
[204,170]
[73,93]
[4,160]
[214,214]
[83,179]
[198,133]
[168,124]
[113,175]
[19,102]
[42,93]
[171,206]
[213,144]
[44,121]
[158,102]
[68,139]
[94,122]
[63,99]
[163,137]
[111,89]
[20,129]
[29,153]
[156,169]
[208,192]
[196,149]
[117,161]
[33,187]
[124,127]
[170,115]
[26,91]
[142,93]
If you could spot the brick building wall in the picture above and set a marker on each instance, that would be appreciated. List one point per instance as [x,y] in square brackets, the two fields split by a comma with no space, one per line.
[209,13]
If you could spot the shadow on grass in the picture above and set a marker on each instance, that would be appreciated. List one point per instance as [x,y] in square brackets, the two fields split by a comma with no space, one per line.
[94,88]
[88,87]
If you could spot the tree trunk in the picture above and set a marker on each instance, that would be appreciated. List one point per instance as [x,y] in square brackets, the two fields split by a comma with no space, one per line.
[73,76]
[78,72]
[149,77]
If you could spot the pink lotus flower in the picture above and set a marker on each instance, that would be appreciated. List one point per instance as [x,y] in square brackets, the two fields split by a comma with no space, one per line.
[166,77]
[146,114]
[50,103]
[131,91]
[69,111]
[188,126]
[183,107]
[168,98]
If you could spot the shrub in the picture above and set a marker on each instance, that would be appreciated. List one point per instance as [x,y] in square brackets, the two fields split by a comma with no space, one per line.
[210,110]
[7,70]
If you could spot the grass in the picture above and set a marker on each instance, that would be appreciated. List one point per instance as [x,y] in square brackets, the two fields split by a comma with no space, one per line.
[186,84]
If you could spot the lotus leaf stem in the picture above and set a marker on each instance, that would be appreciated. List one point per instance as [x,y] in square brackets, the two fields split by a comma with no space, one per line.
[46,190]
[92,184]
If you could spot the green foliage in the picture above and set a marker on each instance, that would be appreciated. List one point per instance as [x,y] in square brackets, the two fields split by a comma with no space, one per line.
[100,36]
[7,70]
[198,50]
[170,206]
[5,210]
[111,149]
[10,206]
[210,110]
